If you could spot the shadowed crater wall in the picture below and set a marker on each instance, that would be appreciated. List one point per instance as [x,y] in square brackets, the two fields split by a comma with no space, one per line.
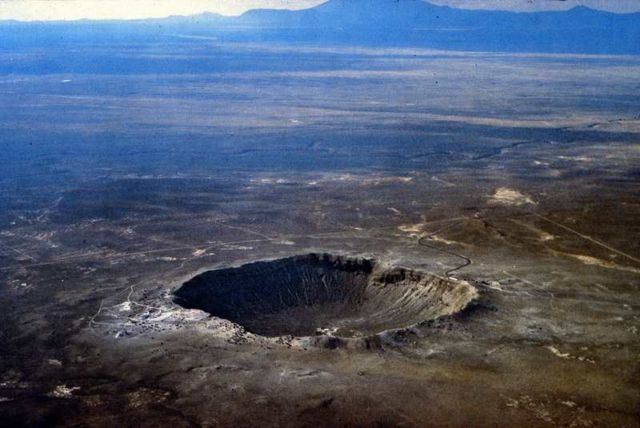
[323,294]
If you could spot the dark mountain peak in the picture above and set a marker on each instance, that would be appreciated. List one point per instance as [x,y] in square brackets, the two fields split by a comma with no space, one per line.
[376,13]
[582,9]
[373,4]
[377,6]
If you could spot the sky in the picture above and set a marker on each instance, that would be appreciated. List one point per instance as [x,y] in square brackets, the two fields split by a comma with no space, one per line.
[29,10]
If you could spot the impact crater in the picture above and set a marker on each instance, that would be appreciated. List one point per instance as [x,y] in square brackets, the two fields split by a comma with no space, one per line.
[323,294]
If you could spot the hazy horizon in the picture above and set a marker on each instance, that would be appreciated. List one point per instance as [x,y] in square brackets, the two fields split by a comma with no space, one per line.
[73,10]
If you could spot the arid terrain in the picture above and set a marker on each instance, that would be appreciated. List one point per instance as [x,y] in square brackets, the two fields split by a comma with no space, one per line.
[502,189]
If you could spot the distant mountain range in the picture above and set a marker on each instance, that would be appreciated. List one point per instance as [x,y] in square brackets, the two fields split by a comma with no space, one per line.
[369,22]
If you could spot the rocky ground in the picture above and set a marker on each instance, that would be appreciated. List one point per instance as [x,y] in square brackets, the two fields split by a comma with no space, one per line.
[535,206]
